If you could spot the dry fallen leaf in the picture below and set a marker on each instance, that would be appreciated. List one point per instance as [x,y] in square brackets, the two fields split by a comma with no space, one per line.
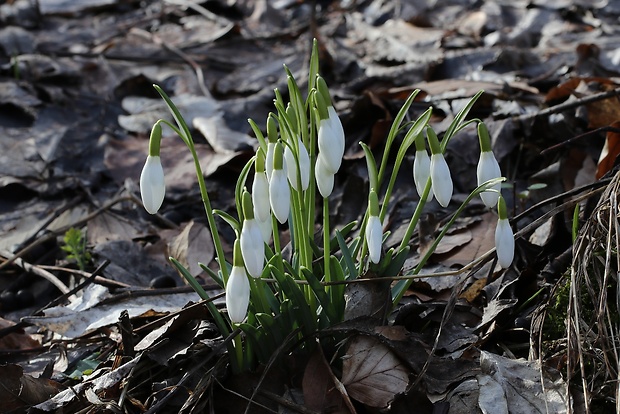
[16,340]
[372,374]
[610,152]
[194,244]
[19,390]
[320,390]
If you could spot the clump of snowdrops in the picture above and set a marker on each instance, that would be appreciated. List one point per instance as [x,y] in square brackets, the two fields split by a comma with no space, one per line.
[273,300]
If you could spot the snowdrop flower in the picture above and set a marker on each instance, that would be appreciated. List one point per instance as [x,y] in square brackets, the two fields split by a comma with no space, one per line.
[324,178]
[279,191]
[330,133]
[152,183]
[291,165]
[440,173]
[374,229]
[260,189]
[504,237]
[252,244]
[488,167]
[421,167]
[237,289]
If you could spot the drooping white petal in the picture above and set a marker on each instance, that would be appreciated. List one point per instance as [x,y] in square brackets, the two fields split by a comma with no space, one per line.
[279,195]
[374,237]
[331,140]
[260,197]
[304,166]
[324,177]
[504,243]
[422,172]
[252,247]
[441,179]
[488,169]
[265,229]
[152,184]
[237,294]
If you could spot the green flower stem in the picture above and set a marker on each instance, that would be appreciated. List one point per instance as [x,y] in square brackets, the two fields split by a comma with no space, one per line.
[310,196]
[326,242]
[187,138]
[415,217]
[401,287]
[457,124]
[237,362]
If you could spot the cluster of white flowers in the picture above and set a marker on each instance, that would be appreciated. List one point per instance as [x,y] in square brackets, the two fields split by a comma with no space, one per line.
[488,168]
[283,166]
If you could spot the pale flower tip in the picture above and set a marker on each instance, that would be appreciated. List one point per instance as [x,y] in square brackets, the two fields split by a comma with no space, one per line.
[152,184]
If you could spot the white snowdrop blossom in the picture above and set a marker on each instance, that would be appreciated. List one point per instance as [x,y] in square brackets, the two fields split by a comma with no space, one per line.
[441,179]
[504,237]
[331,140]
[304,166]
[152,184]
[374,238]
[237,294]
[324,178]
[422,172]
[488,169]
[252,247]
[260,197]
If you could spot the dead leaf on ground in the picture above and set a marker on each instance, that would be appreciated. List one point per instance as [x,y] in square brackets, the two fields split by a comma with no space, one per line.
[320,391]
[194,244]
[19,391]
[372,374]
[16,340]
[610,151]
[516,387]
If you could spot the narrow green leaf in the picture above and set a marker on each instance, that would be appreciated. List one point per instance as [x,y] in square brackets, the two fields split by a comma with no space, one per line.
[191,280]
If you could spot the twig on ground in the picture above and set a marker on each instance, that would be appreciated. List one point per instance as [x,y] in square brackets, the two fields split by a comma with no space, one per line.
[36,270]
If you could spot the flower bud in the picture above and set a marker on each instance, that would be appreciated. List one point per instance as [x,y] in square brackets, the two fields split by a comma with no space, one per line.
[260,189]
[488,169]
[504,237]
[279,190]
[374,229]
[152,184]
[237,289]
[331,140]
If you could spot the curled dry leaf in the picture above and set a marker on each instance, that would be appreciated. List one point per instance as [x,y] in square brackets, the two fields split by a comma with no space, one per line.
[372,374]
